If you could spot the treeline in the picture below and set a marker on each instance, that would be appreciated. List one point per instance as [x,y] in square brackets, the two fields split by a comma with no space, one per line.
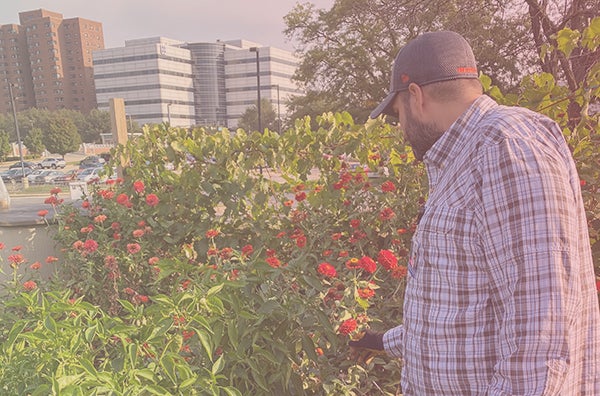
[60,131]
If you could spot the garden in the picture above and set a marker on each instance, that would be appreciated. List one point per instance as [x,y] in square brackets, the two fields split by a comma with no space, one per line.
[238,263]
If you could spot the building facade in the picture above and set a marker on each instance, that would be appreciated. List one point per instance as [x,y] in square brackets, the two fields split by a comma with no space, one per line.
[48,61]
[152,75]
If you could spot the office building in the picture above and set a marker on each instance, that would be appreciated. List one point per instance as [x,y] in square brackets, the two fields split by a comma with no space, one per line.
[48,61]
[152,75]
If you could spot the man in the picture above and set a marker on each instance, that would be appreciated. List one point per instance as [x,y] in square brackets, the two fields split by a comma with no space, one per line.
[501,296]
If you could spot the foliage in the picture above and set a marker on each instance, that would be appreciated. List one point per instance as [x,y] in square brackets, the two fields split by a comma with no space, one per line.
[4,146]
[97,122]
[34,141]
[249,119]
[62,136]
[347,51]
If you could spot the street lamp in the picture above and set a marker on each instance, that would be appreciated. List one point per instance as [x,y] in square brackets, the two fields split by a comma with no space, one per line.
[255,49]
[169,113]
[14,109]
[278,112]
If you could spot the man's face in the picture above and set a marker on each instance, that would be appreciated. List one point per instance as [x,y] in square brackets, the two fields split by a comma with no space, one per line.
[421,135]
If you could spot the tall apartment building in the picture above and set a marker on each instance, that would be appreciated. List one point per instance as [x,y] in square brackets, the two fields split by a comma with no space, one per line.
[152,75]
[192,83]
[48,61]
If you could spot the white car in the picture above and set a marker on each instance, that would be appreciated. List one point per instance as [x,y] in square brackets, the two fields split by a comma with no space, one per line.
[90,175]
[53,163]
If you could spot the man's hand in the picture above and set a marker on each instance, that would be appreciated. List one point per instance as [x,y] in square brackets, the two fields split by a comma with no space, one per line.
[366,347]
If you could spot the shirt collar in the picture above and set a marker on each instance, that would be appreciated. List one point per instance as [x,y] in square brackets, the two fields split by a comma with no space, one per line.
[453,141]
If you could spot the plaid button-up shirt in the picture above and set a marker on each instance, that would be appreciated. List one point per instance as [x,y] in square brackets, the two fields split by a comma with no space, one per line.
[501,296]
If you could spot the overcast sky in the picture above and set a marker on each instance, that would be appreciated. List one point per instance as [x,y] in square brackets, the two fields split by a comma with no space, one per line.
[260,21]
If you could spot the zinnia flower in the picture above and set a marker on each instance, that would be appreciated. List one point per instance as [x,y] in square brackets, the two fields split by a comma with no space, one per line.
[247,250]
[29,285]
[212,233]
[138,186]
[368,264]
[35,266]
[386,214]
[273,262]
[42,213]
[90,246]
[388,186]
[138,233]
[347,326]
[16,259]
[387,259]
[301,196]
[366,293]
[152,200]
[133,248]
[327,270]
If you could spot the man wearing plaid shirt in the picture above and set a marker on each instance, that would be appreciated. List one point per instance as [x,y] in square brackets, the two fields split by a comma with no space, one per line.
[501,296]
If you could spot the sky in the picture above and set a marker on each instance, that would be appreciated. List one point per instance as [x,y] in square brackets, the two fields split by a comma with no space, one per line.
[260,21]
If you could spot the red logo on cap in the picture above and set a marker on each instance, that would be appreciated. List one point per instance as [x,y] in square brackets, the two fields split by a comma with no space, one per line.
[466,70]
[404,78]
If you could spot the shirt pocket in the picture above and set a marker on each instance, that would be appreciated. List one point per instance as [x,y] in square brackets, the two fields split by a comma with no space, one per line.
[446,248]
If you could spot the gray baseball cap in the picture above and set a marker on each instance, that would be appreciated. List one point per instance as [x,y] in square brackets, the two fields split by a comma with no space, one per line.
[429,58]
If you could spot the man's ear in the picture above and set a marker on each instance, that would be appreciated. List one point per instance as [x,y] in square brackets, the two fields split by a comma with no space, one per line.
[416,99]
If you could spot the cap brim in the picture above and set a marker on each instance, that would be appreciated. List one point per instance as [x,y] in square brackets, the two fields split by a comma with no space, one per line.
[385,107]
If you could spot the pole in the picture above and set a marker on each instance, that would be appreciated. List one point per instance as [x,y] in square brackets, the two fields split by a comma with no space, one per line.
[255,49]
[14,109]
[169,113]
[278,112]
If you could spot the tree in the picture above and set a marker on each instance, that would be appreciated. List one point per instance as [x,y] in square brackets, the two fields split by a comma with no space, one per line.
[348,50]
[249,120]
[62,136]
[97,122]
[4,145]
[34,141]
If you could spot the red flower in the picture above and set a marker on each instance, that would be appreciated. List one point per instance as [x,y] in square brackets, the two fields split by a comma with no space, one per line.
[153,260]
[142,298]
[301,196]
[289,202]
[129,290]
[138,233]
[16,259]
[387,259]
[212,233]
[368,264]
[90,246]
[598,285]
[133,248]
[17,248]
[99,218]
[226,253]
[355,223]
[152,200]
[52,200]
[353,263]
[301,241]
[327,270]
[2,246]
[123,199]
[388,186]
[51,259]
[273,262]
[336,236]
[115,226]
[366,293]
[247,250]
[35,266]
[386,214]
[347,326]
[327,253]
[399,272]
[42,213]
[138,186]
[29,285]
[86,204]
[55,190]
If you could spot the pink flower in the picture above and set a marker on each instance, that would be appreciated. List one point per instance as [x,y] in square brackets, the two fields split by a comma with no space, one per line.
[388,186]
[247,250]
[138,233]
[29,285]
[133,248]
[90,246]
[212,233]
[42,213]
[273,262]
[153,260]
[35,266]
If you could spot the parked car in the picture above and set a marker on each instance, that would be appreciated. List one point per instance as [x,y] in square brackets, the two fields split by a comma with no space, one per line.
[27,164]
[16,174]
[93,161]
[36,172]
[47,176]
[53,163]
[91,175]
[67,177]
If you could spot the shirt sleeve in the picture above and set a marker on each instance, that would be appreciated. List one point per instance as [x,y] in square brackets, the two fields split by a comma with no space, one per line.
[528,217]
[392,341]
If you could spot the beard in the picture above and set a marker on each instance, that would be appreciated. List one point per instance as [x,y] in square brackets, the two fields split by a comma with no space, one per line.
[420,135]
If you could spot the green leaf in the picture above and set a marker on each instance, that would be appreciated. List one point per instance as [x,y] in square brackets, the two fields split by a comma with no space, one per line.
[12,336]
[268,307]
[230,391]
[88,367]
[50,324]
[188,382]
[145,373]
[214,290]
[132,350]
[157,390]
[218,366]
